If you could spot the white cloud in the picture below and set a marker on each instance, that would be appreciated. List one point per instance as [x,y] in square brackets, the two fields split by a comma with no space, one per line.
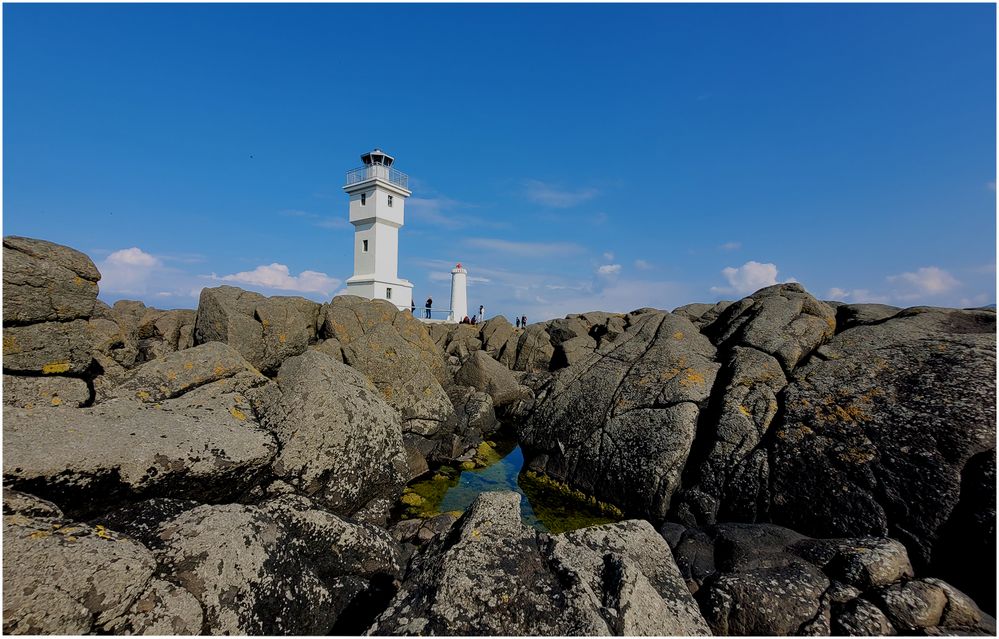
[134,273]
[128,271]
[837,294]
[857,296]
[608,255]
[277,276]
[132,257]
[730,246]
[925,281]
[642,265]
[609,269]
[748,278]
[550,195]
[525,249]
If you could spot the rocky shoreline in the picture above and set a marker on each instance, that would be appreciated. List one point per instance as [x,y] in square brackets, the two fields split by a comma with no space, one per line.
[784,465]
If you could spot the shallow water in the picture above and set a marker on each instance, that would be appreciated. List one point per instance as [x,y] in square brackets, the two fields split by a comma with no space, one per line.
[542,506]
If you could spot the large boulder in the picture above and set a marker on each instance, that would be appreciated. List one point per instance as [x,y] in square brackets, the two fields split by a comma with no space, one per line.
[534,349]
[492,575]
[63,577]
[265,330]
[483,373]
[348,317]
[760,338]
[46,282]
[730,479]
[397,370]
[341,443]
[494,334]
[150,332]
[284,567]
[878,430]
[177,373]
[619,424]
[95,458]
[782,320]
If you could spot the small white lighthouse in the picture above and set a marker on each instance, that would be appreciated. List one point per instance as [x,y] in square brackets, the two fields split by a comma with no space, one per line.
[378,195]
[459,294]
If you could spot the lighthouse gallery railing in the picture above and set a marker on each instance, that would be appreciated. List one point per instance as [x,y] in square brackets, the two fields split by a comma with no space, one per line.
[362,173]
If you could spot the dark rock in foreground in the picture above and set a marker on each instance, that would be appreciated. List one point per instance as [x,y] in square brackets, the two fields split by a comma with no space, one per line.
[761,579]
[491,575]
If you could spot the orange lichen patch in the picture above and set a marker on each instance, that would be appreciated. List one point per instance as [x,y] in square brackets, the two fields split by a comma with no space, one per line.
[745,411]
[9,344]
[188,365]
[282,338]
[54,368]
[143,395]
[56,401]
[40,534]
[171,376]
[795,434]
[678,335]
[79,281]
[219,369]
[238,414]
[691,378]
[265,323]
[831,323]
[855,456]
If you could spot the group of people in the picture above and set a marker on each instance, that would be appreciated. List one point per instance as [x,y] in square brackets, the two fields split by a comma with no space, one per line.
[475,319]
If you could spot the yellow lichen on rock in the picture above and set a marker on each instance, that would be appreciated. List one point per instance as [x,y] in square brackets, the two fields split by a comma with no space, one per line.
[238,414]
[55,368]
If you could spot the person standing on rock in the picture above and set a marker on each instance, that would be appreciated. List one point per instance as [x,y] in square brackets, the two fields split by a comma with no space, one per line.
[523,321]
[412,307]
[518,322]
[482,312]
[430,302]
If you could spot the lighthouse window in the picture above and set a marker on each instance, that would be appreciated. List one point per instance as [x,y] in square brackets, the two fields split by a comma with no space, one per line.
[390,200]
[364,198]
[388,293]
[364,245]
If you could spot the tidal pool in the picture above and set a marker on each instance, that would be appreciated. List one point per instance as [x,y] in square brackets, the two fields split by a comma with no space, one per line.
[544,504]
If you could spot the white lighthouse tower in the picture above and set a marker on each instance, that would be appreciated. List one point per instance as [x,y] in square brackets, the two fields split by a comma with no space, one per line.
[378,195]
[459,294]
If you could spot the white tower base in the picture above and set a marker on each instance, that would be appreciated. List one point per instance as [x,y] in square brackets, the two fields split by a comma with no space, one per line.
[399,292]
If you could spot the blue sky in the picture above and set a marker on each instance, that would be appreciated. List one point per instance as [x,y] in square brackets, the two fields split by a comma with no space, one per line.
[573,157]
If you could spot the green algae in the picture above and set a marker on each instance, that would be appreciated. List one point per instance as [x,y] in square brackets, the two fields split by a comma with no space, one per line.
[546,504]
[422,498]
[560,508]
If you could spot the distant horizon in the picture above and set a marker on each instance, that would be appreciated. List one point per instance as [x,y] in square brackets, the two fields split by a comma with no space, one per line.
[572,157]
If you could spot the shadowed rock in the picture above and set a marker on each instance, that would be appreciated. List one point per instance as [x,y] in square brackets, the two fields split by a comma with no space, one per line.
[96,458]
[492,575]
[620,423]
[63,577]
[878,431]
